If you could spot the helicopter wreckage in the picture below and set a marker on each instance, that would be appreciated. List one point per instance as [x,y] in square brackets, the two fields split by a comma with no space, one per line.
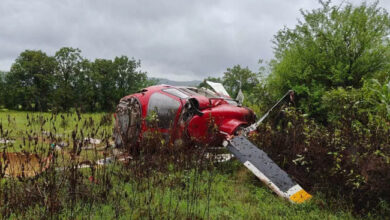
[185,112]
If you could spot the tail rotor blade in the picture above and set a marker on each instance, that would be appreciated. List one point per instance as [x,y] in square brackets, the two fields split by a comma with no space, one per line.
[258,162]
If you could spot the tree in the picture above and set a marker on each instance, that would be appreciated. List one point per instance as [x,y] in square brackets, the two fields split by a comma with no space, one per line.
[2,88]
[115,79]
[237,76]
[67,80]
[29,83]
[127,76]
[233,78]
[85,87]
[69,62]
[332,47]
[103,73]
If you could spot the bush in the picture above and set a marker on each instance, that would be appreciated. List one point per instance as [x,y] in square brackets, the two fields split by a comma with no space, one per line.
[350,158]
[333,46]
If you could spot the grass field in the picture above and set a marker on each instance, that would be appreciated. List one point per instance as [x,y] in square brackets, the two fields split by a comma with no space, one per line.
[26,124]
[170,186]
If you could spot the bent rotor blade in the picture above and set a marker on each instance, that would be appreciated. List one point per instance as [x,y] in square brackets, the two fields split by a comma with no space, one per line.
[254,126]
[266,170]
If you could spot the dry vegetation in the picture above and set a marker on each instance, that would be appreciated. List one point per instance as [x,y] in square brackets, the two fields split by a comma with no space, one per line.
[161,181]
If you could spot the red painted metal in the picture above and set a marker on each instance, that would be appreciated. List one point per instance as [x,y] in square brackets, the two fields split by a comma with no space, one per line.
[216,113]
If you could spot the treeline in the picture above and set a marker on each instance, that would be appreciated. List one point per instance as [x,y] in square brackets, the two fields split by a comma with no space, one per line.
[68,81]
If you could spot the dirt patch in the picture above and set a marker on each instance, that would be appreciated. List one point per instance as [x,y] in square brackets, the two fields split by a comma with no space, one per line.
[22,165]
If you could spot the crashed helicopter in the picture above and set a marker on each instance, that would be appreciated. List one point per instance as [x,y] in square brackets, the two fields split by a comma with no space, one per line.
[185,113]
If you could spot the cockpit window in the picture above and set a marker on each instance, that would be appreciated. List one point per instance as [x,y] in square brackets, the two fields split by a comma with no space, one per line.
[204,92]
[164,107]
[176,93]
[188,91]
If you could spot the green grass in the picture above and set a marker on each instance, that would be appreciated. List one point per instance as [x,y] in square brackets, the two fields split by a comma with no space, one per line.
[236,195]
[227,191]
[16,121]
[34,124]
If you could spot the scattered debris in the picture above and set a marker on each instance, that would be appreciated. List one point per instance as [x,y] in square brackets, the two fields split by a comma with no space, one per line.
[93,140]
[62,144]
[220,158]
[6,141]
[92,147]
[223,157]
[101,162]
[46,133]
[104,161]
[110,160]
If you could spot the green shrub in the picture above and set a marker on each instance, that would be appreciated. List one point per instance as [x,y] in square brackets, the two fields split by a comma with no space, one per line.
[348,158]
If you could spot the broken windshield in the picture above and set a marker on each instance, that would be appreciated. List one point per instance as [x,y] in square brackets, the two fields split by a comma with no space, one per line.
[203,91]
[164,107]
[176,93]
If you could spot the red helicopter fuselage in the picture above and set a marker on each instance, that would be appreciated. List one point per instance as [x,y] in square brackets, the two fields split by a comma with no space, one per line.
[203,116]
[180,112]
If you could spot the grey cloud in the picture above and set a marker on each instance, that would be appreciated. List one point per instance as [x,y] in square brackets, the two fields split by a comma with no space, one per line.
[176,39]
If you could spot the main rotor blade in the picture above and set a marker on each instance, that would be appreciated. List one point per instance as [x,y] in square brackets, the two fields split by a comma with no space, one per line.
[266,170]
[254,126]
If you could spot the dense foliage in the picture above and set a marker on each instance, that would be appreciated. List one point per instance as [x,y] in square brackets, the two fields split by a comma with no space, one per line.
[348,159]
[336,139]
[66,80]
[332,47]
[2,87]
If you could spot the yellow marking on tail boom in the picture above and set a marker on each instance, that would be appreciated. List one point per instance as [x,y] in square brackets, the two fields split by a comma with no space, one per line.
[300,196]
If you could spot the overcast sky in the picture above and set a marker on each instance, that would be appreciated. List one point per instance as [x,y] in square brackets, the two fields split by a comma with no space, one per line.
[175,39]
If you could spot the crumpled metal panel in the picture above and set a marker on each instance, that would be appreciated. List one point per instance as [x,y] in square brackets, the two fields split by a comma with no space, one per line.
[127,123]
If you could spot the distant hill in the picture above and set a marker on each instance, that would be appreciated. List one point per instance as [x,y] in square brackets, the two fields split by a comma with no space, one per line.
[177,83]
